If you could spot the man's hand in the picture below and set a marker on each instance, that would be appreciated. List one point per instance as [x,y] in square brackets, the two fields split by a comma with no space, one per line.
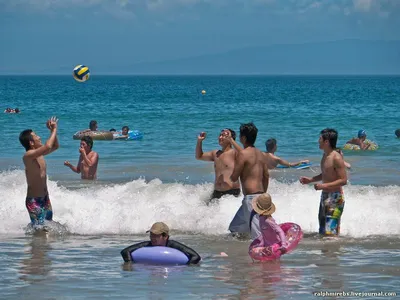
[51,123]
[202,136]
[305,180]
[319,186]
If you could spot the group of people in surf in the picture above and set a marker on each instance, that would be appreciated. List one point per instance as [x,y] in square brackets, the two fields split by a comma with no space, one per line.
[238,169]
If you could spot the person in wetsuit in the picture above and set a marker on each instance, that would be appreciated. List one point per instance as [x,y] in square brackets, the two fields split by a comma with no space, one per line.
[159,236]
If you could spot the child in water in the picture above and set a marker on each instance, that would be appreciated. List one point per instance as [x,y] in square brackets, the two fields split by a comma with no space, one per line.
[272,237]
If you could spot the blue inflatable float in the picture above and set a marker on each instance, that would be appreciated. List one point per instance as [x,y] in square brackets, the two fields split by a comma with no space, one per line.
[132,135]
[159,255]
[298,167]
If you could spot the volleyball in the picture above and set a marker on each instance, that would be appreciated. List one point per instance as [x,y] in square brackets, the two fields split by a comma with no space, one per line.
[81,73]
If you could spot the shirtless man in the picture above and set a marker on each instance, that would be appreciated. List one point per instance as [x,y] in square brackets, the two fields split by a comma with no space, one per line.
[252,170]
[273,161]
[88,160]
[360,140]
[224,162]
[92,126]
[333,177]
[37,199]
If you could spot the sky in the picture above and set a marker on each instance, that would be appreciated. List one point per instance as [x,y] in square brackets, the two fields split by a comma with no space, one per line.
[43,35]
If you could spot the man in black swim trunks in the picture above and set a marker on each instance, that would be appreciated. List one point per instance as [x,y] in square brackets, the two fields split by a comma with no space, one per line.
[159,236]
[224,162]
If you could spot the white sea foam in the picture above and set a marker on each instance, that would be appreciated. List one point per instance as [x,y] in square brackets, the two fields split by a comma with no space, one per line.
[131,208]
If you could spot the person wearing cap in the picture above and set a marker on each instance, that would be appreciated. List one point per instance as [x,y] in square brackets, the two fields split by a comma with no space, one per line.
[360,140]
[224,162]
[271,232]
[159,236]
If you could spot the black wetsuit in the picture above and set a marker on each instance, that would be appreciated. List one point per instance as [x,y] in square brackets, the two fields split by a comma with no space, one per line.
[218,194]
[192,255]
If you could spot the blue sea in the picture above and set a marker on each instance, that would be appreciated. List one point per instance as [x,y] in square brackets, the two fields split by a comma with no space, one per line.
[159,179]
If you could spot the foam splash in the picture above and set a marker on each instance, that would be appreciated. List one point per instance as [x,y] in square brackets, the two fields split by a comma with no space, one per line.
[131,208]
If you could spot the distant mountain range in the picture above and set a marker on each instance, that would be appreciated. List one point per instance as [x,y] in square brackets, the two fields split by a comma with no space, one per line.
[337,57]
[352,57]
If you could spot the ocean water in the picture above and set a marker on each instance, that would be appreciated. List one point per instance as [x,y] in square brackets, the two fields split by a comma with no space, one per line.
[158,179]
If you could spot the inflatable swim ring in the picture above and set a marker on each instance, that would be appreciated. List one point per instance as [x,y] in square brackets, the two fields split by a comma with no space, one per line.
[159,255]
[132,135]
[293,235]
[95,135]
[373,146]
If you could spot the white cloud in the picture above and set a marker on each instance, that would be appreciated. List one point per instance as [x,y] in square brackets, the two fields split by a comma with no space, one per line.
[363,5]
[126,8]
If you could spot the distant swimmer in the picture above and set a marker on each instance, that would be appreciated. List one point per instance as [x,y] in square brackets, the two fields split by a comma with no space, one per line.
[37,199]
[123,134]
[334,177]
[252,170]
[92,126]
[273,161]
[397,133]
[12,111]
[88,160]
[224,162]
[360,140]
[159,236]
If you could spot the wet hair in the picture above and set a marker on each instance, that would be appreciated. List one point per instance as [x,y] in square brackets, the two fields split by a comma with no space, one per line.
[113,129]
[249,130]
[331,135]
[17,110]
[397,133]
[270,144]
[233,133]
[92,125]
[88,140]
[125,127]
[25,137]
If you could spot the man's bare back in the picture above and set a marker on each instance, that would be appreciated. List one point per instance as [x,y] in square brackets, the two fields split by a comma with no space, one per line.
[271,160]
[252,169]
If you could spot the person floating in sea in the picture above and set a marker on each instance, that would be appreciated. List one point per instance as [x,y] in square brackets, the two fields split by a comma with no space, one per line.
[273,161]
[37,199]
[88,160]
[123,134]
[360,140]
[252,170]
[334,177]
[224,162]
[159,236]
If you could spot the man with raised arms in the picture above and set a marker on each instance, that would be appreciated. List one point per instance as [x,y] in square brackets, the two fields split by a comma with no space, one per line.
[37,199]
[224,162]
